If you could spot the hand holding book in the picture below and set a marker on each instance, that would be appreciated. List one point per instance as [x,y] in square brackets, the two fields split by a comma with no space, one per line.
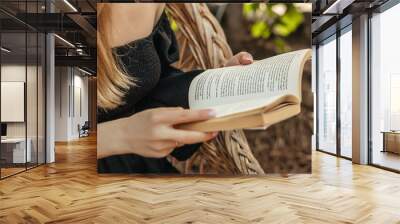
[256,95]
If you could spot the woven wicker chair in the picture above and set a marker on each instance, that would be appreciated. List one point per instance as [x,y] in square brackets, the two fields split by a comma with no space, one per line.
[202,46]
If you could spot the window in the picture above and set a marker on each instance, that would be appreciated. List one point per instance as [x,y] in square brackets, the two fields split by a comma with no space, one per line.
[22,77]
[394,102]
[15,146]
[385,88]
[346,92]
[327,96]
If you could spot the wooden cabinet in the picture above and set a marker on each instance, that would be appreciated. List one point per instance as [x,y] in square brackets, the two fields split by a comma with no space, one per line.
[13,151]
[391,142]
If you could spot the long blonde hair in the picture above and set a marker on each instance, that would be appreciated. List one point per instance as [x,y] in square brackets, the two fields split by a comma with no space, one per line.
[112,81]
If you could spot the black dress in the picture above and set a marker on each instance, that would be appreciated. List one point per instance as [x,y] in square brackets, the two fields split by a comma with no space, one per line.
[158,84]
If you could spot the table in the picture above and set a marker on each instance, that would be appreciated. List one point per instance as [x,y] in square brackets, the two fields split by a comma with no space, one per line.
[391,141]
[13,150]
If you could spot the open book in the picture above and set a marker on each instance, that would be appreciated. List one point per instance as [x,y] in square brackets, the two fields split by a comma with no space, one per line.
[250,96]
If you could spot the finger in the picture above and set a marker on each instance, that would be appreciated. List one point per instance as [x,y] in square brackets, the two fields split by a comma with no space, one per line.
[160,115]
[190,137]
[166,109]
[185,116]
[163,144]
[241,58]
[171,108]
[160,153]
[165,152]
[232,61]
[245,58]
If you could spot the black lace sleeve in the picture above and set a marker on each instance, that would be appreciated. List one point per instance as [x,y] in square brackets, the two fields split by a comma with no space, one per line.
[173,87]
[166,45]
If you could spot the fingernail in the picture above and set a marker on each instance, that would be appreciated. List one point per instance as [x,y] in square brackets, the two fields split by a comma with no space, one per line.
[212,113]
[248,57]
[214,134]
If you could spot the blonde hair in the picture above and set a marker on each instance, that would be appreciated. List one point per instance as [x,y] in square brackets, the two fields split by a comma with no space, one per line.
[112,81]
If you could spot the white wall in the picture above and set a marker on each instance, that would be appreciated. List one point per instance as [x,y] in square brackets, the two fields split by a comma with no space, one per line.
[61,103]
[33,127]
[80,84]
[69,82]
[12,73]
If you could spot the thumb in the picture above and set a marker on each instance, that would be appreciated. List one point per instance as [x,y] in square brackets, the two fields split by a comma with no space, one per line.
[245,58]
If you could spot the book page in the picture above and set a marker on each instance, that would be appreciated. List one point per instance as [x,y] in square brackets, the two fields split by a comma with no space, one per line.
[243,106]
[261,82]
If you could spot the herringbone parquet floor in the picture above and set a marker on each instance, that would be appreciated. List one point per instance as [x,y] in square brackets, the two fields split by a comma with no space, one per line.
[70,191]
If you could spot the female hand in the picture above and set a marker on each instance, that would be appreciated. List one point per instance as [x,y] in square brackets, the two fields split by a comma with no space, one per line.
[241,58]
[151,133]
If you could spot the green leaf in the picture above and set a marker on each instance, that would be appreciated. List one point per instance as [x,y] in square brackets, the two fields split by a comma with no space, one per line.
[265,22]
[249,8]
[282,30]
[174,25]
[267,33]
[292,19]
[280,45]
[258,29]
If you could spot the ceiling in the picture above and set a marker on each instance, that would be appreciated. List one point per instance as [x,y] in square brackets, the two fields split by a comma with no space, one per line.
[75,22]
[16,42]
[72,20]
[329,15]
